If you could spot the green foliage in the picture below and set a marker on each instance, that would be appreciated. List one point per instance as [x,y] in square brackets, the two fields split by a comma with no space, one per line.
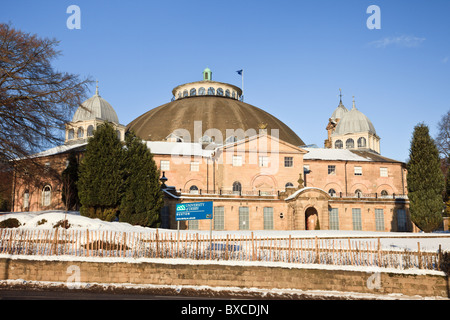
[142,199]
[69,179]
[117,180]
[425,181]
[100,184]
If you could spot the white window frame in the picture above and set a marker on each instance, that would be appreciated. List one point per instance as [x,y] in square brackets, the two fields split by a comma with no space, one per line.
[332,170]
[195,166]
[263,161]
[237,161]
[358,171]
[384,172]
[288,162]
[165,165]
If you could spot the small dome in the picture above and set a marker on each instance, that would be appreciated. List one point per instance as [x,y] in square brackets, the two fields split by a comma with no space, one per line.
[95,108]
[354,121]
[340,111]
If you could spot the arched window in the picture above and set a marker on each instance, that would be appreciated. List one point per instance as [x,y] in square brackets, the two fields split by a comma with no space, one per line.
[362,142]
[220,92]
[201,91]
[358,193]
[384,193]
[349,144]
[26,199]
[289,185]
[185,93]
[90,131]
[193,92]
[231,139]
[227,93]
[193,189]
[118,134]
[179,95]
[206,139]
[338,144]
[332,193]
[233,95]
[46,196]
[80,133]
[211,91]
[71,134]
[237,188]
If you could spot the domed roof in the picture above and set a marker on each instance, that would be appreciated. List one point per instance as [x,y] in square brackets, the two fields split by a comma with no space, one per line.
[339,112]
[354,121]
[95,108]
[214,112]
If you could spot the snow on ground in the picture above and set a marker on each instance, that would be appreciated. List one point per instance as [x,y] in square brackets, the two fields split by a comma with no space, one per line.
[390,240]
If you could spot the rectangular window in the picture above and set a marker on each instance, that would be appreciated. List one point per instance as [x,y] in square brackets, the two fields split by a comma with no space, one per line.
[288,162]
[263,161]
[401,220]
[195,166]
[165,165]
[358,171]
[268,218]
[193,224]
[26,200]
[383,172]
[332,170]
[334,218]
[244,218]
[379,220]
[237,161]
[356,219]
[219,218]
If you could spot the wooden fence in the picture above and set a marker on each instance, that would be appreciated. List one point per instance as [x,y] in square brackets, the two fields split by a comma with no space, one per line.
[331,251]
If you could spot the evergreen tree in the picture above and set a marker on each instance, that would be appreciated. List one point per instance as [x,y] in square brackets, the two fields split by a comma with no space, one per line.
[143,198]
[69,179]
[425,181]
[100,185]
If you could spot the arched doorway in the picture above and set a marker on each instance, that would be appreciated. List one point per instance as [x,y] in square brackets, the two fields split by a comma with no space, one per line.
[311,218]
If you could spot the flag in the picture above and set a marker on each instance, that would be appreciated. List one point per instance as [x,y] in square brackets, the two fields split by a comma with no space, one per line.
[240,72]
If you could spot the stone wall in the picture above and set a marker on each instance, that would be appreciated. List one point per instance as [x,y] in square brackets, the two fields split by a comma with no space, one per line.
[223,275]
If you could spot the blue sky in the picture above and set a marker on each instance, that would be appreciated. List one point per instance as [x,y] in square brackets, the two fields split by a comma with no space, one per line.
[295,55]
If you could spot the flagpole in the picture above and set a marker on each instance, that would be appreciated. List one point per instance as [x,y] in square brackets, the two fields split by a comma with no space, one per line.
[242,85]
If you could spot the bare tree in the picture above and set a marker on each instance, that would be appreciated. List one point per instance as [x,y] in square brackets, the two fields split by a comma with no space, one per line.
[35,99]
[443,137]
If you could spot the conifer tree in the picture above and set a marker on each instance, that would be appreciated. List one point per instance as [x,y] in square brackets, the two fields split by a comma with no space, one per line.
[69,179]
[425,181]
[142,199]
[100,185]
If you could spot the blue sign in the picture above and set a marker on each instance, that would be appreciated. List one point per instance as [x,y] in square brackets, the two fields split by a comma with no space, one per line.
[194,211]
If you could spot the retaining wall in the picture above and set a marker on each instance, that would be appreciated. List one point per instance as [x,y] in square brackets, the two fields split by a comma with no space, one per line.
[223,275]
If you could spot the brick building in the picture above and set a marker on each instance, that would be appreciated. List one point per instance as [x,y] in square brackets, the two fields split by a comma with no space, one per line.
[212,146]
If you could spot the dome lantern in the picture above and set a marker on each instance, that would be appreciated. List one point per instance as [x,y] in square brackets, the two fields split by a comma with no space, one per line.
[207,75]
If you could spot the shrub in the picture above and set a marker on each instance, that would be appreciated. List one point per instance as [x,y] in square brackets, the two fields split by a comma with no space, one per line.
[10,223]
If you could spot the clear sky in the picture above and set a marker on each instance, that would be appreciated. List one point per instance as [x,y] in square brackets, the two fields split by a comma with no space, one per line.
[295,54]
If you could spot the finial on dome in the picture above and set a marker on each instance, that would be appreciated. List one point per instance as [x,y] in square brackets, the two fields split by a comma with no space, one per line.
[354,107]
[340,95]
[96,88]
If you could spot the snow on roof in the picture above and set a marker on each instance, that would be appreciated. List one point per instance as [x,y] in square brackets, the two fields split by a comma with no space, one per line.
[332,154]
[292,196]
[178,148]
[56,150]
